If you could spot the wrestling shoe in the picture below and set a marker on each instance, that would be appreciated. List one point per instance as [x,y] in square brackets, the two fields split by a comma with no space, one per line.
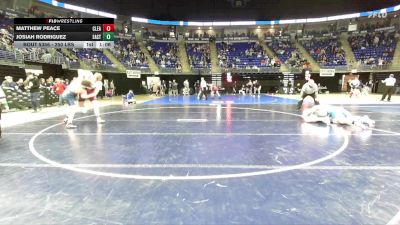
[99,120]
[84,110]
[360,124]
[326,120]
[366,120]
[70,126]
[371,123]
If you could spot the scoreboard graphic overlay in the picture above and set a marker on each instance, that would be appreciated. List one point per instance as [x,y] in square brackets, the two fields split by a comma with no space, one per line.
[64,33]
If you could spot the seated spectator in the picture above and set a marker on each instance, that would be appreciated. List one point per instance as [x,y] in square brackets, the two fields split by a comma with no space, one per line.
[374,48]
[286,52]
[109,93]
[94,57]
[20,84]
[242,55]
[8,83]
[3,101]
[128,52]
[163,52]
[325,51]
[198,55]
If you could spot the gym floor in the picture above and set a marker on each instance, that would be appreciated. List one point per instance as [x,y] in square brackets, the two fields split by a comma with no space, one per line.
[177,160]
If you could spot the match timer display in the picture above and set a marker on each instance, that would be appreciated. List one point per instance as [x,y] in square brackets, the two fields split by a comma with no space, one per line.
[64,33]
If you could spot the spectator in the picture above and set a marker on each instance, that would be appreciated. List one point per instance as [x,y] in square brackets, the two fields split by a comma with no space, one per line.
[165,54]
[374,48]
[248,55]
[33,84]
[390,83]
[3,101]
[326,51]
[59,88]
[174,88]
[20,84]
[198,55]
[8,83]
[286,53]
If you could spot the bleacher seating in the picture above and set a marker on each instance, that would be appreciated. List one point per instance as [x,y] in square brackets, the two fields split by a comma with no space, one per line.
[22,99]
[6,35]
[243,55]
[92,56]
[127,51]
[282,48]
[376,48]
[325,51]
[199,55]
[164,54]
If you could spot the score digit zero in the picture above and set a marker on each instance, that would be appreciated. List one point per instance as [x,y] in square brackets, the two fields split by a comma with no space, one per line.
[108,27]
[109,36]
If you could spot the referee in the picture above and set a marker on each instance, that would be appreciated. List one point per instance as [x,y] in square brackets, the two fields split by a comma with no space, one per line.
[203,89]
[389,82]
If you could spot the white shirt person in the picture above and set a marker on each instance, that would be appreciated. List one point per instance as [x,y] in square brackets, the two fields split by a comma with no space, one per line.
[389,90]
